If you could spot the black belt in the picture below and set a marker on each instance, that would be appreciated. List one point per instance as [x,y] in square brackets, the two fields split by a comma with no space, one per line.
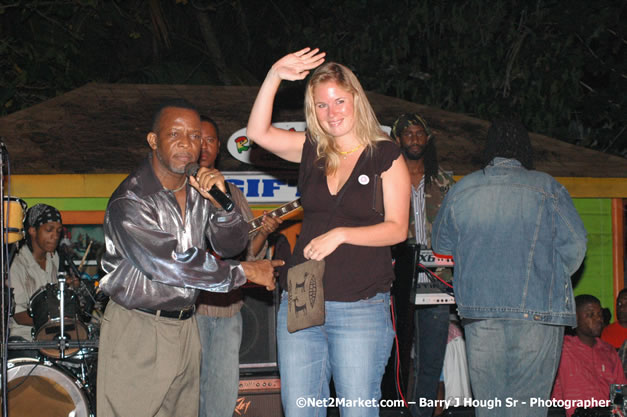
[174,314]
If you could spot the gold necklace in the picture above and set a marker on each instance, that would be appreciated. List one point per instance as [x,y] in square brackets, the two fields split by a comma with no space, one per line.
[346,153]
[176,190]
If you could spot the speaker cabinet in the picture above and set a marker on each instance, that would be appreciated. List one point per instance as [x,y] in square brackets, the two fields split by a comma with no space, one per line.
[258,349]
[259,396]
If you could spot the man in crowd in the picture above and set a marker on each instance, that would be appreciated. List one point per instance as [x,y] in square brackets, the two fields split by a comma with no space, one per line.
[219,318]
[588,365]
[429,185]
[616,333]
[516,239]
[156,227]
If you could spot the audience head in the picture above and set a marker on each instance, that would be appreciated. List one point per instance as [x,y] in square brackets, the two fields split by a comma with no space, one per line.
[607,316]
[589,317]
[621,307]
[508,139]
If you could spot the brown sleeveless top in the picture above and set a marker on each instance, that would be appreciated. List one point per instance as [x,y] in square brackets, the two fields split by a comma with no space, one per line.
[352,272]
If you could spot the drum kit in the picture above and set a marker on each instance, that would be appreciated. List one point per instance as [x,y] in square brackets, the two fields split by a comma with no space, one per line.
[57,375]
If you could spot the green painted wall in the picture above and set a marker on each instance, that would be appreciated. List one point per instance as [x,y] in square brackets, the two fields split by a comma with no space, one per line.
[596,276]
[72,204]
[96,203]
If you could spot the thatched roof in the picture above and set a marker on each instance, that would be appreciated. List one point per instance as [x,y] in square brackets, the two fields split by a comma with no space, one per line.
[101,128]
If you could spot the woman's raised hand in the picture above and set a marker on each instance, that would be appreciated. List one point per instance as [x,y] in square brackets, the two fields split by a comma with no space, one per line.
[296,66]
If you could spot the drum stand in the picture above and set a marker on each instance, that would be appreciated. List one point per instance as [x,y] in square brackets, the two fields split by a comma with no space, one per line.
[4,268]
[62,338]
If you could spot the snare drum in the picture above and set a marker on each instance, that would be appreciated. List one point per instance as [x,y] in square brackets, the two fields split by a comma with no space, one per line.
[45,311]
[14,212]
[42,389]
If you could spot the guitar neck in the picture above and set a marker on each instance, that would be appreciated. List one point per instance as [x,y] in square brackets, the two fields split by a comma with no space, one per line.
[255,223]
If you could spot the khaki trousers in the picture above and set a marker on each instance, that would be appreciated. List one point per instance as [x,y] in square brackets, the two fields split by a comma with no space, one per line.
[147,365]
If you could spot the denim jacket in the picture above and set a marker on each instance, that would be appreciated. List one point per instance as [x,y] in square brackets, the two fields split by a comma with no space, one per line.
[516,239]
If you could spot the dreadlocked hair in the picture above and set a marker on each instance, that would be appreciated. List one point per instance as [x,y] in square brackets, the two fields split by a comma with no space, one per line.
[508,139]
[430,158]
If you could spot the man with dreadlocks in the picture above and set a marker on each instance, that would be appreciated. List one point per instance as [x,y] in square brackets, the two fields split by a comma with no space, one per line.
[516,239]
[429,185]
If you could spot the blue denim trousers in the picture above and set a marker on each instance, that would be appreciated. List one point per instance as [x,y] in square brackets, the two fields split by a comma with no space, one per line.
[431,331]
[220,338]
[510,362]
[352,346]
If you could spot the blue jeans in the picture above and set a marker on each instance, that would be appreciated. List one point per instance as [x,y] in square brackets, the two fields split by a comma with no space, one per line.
[352,346]
[431,330]
[220,338]
[512,359]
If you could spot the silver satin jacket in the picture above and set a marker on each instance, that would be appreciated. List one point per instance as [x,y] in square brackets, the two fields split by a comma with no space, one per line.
[153,260]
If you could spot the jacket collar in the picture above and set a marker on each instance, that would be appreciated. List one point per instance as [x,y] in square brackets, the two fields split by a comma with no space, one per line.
[146,176]
[504,162]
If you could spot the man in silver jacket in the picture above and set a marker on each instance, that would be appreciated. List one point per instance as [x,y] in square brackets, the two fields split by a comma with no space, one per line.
[156,227]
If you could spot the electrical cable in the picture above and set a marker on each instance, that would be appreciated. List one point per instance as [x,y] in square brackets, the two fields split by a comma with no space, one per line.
[432,275]
[398,356]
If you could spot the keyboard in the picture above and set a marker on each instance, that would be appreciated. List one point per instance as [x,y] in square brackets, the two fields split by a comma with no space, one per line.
[428,293]
[430,260]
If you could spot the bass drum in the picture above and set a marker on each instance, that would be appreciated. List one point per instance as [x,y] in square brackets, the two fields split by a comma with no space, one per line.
[41,389]
[44,308]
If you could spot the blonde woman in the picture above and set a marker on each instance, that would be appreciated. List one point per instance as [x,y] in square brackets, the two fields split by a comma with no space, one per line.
[342,156]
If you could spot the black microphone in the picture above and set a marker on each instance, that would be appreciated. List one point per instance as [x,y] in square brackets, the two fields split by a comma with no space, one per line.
[191,170]
[68,259]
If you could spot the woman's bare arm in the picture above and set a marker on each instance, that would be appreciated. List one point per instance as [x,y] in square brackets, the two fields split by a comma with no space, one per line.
[285,144]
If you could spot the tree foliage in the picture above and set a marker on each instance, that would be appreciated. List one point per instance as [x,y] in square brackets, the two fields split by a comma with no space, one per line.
[559,65]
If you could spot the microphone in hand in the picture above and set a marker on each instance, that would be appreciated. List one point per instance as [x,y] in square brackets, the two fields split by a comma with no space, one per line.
[191,170]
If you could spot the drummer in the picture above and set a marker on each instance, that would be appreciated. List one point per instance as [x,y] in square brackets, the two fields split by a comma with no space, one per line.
[35,265]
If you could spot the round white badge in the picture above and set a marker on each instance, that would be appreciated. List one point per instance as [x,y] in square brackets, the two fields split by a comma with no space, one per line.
[363,179]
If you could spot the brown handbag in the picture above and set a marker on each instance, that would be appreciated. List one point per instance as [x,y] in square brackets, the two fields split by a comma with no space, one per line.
[305,302]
